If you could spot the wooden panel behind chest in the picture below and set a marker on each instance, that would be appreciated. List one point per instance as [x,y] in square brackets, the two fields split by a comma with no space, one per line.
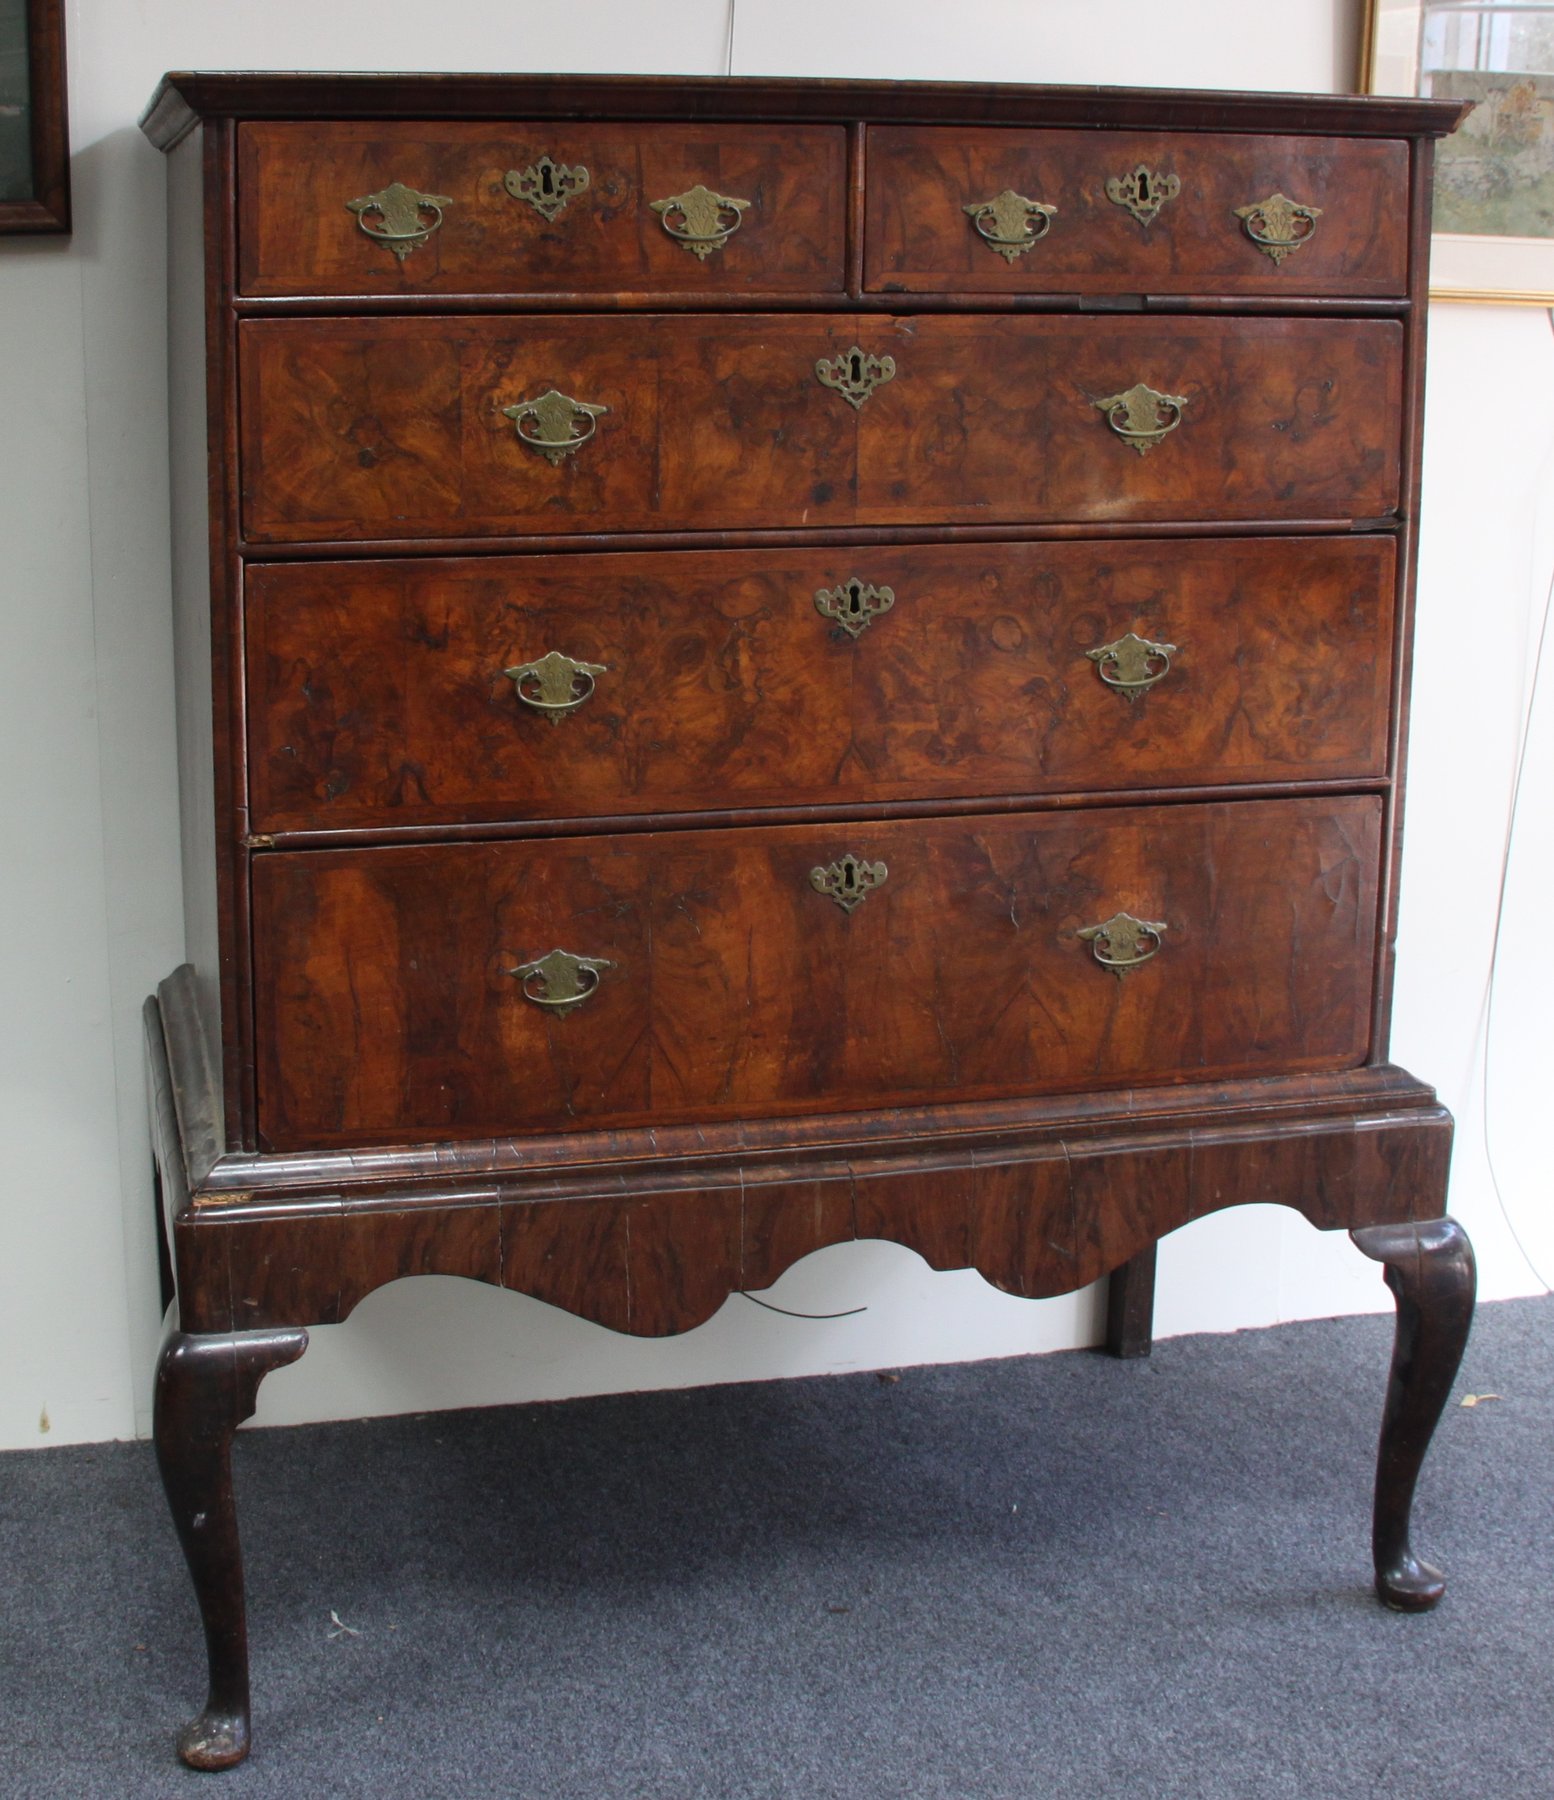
[387,1006]
[379,696]
[396,428]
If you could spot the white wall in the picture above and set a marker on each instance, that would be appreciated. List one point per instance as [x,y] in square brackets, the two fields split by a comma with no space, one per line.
[89,910]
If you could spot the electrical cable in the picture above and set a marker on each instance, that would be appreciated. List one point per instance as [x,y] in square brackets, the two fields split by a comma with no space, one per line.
[1494,955]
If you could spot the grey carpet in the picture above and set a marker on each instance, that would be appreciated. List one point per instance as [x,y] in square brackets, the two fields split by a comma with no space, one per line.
[1056,1576]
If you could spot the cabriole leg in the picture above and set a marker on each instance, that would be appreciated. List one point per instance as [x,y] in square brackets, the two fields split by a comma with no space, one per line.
[1429,1268]
[205,1387]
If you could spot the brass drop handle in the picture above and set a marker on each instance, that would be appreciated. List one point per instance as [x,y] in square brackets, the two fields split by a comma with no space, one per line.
[1009,223]
[854,605]
[560,980]
[1131,664]
[1141,416]
[855,374]
[1123,943]
[1278,224]
[554,425]
[554,684]
[400,209]
[849,881]
[700,220]
[547,186]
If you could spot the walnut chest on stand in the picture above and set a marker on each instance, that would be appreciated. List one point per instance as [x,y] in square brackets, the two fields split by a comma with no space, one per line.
[771,662]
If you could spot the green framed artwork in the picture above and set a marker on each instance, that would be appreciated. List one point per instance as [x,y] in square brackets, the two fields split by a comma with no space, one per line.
[34,131]
[1493,236]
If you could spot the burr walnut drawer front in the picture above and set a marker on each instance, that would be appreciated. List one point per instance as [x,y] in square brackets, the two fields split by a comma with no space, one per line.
[473,990]
[558,207]
[1004,211]
[425,692]
[476,426]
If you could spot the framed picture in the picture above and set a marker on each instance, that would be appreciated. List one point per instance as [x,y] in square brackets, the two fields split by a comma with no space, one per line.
[34,132]
[1494,180]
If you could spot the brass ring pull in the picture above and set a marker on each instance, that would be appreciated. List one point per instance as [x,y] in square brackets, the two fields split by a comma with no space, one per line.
[1141,416]
[554,425]
[854,605]
[1009,223]
[1278,224]
[855,374]
[701,214]
[546,185]
[849,881]
[565,981]
[1123,943]
[1131,664]
[1143,191]
[400,208]
[554,684]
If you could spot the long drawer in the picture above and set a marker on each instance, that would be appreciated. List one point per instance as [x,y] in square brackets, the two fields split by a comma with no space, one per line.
[483,989]
[426,692]
[356,207]
[476,426]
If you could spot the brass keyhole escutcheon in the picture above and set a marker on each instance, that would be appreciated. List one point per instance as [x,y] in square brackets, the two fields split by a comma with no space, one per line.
[554,425]
[1141,416]
[854,605]
[547,186]
[1123,943]
[1143,191]
[701,220]
[560,980]
[1279,225]
[554,684]
[1009,223]
[401,211]
[1132,664]
[849,881]
[855,374]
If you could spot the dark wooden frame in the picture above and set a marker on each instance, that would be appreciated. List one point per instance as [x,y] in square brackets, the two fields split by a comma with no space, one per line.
[49,208]
[648,1231]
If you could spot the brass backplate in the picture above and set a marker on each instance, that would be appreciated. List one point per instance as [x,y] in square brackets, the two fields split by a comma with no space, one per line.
[400,209]
[1278,224]
[1131,664]
[554,684]
[700,219]
[1009,223]
[1141,416]
[854,604]
[560,980]
[1143,191]
[1123,943]
[553,424]
[855,374]
[849,881]
[547,186]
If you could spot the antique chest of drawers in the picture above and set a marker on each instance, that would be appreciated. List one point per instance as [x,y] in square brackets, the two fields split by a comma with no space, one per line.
[769,662]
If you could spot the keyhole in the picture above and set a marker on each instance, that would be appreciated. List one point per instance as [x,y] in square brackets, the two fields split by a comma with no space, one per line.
[855,363]
[849,878]
[546,182]
[854,599]
[1144,186]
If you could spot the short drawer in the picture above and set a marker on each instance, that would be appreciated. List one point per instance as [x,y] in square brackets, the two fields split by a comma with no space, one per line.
[1003,211]
[481,990]
[472,427]
[560,207]
[427,692]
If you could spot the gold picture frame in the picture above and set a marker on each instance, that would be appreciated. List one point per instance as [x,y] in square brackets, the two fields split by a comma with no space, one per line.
[1497,172]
